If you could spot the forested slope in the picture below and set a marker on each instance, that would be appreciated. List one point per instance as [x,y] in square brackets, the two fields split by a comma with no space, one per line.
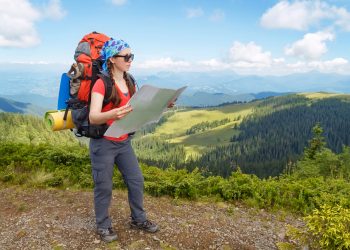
[261,137]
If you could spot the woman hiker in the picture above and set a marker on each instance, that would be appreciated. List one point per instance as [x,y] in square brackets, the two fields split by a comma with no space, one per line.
[107,151]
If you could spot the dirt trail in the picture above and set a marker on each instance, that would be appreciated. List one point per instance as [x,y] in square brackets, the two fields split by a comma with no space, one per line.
[64,219]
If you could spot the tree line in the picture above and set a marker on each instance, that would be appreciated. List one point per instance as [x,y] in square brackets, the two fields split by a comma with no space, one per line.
[267,143]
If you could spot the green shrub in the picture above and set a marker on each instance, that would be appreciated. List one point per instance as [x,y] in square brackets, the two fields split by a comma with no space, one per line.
[46,165]
[330,227]
[326,228]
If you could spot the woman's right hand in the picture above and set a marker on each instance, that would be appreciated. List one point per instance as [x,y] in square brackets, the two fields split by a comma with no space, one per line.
[119,113]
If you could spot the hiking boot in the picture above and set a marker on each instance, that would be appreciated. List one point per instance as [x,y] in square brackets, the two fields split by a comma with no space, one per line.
[147,226]
[107,235]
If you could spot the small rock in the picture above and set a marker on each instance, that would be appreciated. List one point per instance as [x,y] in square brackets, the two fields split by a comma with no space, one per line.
[47,225]
[281,235]
[97,241]
[156,238]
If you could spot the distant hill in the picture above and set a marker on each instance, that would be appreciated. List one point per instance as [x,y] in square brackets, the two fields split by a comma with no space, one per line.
[44,80]
[46,103]
[205,99]
[233,84]
[196,99]
[8,105]
[263,95]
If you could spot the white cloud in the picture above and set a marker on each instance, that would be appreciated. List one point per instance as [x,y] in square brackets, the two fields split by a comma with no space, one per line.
[300,15]
[250,54]
[343,18]
[217,16]
[32,62]
[249,58]
[278,60]
[311,47]
[337,65]
[286,15]
[278,66]
[330,64]
[213,64]
[164,63]
[18,18]
[54,10]
[119,2]
[194,12]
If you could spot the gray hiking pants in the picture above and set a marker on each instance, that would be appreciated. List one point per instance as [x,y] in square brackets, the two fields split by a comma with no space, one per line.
[104,154]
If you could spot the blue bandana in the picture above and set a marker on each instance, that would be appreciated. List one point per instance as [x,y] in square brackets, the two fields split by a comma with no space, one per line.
[111,48]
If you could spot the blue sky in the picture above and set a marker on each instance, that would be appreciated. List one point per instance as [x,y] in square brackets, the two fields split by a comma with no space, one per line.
[243,36]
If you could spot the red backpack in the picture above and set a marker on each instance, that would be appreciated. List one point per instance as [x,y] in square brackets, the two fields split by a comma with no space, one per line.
[84,72]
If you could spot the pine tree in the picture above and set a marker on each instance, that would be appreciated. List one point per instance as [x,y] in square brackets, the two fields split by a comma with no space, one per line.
[316,144]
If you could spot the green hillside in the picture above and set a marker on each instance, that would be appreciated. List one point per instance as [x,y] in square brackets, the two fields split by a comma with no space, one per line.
[30,129]
[261,137]
[176,126]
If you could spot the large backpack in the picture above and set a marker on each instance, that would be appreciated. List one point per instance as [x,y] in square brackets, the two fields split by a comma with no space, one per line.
[83,75]
[88,64]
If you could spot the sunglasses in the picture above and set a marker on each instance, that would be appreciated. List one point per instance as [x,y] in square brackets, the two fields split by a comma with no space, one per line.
[127,57]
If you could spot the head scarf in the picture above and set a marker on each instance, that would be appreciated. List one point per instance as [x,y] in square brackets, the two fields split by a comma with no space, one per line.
[111,48]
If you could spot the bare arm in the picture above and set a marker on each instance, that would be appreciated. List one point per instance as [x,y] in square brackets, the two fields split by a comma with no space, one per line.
[96,116]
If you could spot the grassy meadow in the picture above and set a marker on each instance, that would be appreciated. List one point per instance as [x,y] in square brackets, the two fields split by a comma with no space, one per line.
[174,129]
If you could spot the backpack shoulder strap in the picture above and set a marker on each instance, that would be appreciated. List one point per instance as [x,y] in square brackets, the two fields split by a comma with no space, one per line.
[108,88]
[109,85]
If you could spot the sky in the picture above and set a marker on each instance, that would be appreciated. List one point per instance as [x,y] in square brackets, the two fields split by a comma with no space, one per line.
[260,37]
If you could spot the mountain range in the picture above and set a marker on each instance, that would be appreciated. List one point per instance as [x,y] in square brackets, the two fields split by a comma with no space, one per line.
[39,85]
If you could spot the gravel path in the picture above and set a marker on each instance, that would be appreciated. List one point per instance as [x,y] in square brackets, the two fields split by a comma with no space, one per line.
[64,219]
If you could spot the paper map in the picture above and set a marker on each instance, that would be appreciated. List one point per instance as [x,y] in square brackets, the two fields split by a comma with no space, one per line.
[148,105]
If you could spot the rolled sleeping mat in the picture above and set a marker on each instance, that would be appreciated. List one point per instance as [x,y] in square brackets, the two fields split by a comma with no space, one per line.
[55,120]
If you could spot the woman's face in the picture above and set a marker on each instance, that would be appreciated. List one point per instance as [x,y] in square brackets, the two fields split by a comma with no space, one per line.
[120,61]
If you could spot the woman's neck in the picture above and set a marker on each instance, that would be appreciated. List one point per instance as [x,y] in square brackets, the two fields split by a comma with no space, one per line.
[118,75]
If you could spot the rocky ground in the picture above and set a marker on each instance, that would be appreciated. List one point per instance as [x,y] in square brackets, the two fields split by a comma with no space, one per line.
[64,219]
